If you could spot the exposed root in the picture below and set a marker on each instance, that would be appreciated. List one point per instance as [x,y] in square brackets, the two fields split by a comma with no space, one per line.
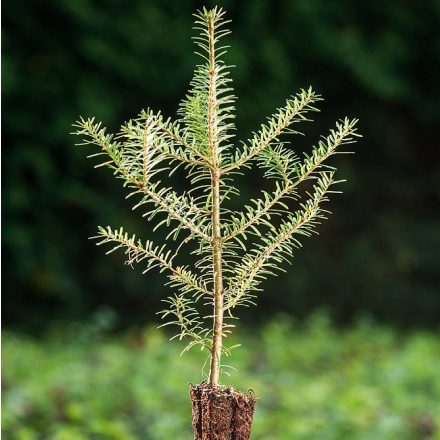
[221,413]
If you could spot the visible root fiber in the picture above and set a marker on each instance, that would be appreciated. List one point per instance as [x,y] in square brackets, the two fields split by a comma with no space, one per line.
[221,413]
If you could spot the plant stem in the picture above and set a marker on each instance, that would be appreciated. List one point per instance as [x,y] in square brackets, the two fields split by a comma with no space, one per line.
[217,331]
[217,335]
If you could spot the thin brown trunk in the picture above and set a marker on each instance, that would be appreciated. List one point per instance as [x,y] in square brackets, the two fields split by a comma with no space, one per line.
[217,336]
[217,329]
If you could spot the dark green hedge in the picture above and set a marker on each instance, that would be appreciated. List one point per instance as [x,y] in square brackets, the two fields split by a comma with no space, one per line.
[378,61]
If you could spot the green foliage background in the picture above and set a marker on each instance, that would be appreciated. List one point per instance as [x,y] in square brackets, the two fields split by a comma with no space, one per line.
[366,383]
[378,61]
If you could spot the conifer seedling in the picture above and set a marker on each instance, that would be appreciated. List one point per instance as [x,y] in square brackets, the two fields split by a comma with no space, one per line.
[234,251]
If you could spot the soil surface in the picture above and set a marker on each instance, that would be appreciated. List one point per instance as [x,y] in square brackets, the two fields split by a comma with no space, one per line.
[221,413]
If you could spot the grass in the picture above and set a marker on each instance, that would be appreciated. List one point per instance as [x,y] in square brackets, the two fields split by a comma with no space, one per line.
[313,382]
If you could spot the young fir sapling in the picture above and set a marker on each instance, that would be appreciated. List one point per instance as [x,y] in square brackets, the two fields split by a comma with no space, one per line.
[235,250]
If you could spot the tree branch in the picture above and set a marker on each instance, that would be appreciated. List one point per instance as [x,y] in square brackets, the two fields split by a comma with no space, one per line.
[155,256]
[344,133]
[256,264]
[292,112]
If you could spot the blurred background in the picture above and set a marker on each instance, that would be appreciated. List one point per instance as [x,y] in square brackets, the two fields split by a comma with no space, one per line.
[369,284]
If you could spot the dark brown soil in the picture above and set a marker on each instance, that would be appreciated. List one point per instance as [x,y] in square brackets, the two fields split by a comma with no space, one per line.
[221,413]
